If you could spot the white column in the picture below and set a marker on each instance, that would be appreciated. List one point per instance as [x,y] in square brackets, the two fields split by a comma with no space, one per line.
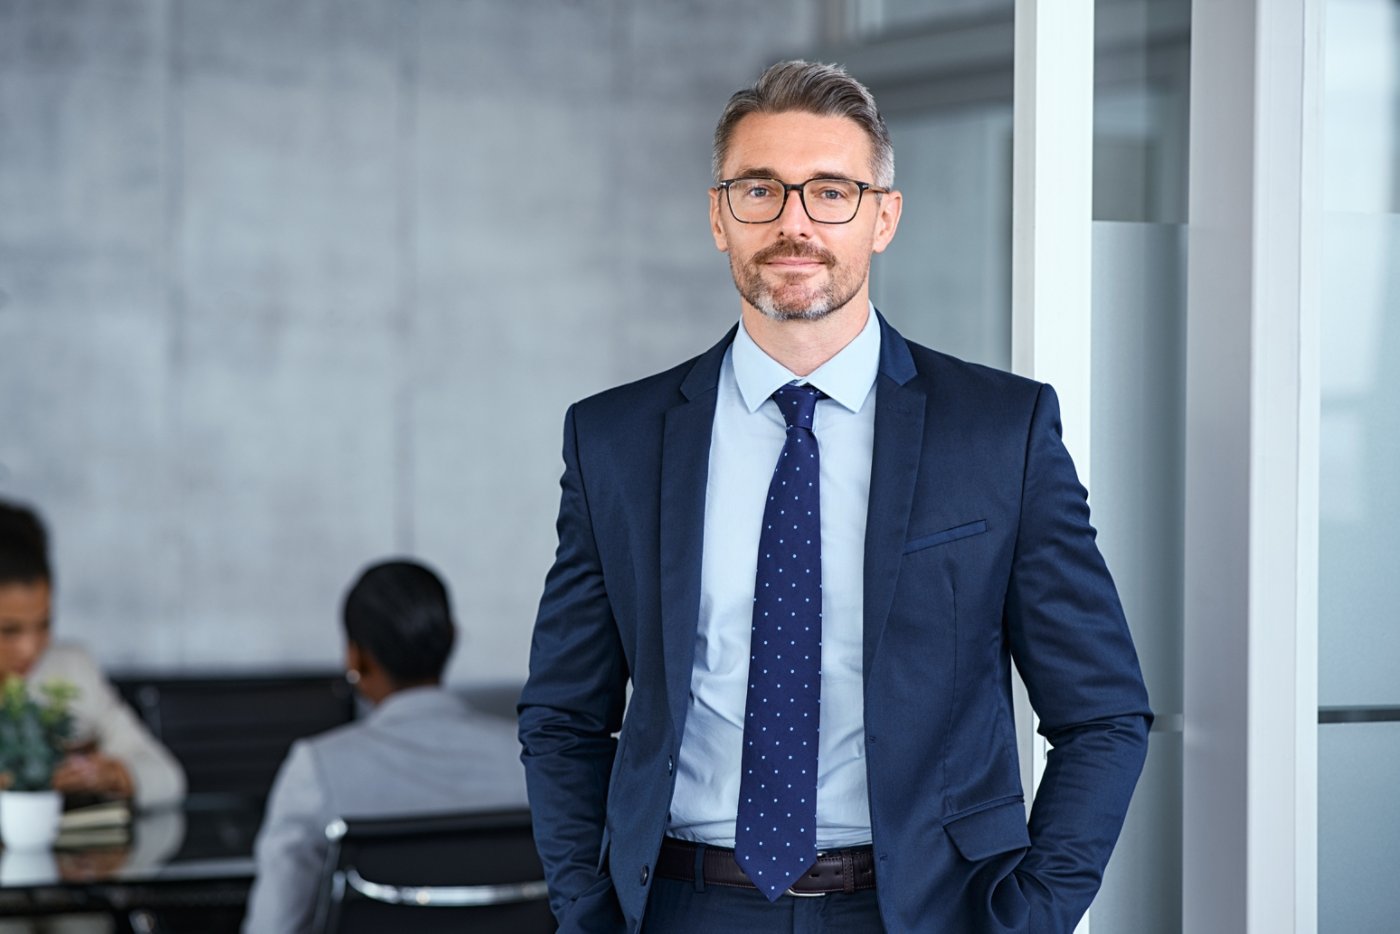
[1051,239]
[1052,206]
[1249,840]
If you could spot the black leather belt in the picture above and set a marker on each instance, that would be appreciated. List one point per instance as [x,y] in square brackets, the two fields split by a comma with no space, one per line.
[850,870]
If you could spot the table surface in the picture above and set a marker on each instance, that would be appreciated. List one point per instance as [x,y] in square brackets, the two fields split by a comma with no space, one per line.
[205,843]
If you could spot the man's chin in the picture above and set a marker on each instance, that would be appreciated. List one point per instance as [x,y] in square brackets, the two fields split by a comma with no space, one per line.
[796,305]
[794,313]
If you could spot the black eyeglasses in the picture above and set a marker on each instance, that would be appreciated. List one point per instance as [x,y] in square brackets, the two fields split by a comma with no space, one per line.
[761,200]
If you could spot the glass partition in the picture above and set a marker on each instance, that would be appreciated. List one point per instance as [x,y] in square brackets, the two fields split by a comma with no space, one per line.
[945,281]
[1359,502]
[1141,115]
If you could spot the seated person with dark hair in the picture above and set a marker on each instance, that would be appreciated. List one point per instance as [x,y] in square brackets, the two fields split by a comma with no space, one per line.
[421,750]
[114,754]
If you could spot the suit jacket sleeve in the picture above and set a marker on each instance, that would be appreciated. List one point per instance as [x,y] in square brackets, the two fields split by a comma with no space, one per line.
[1071,644]
[572,703]
[290,849]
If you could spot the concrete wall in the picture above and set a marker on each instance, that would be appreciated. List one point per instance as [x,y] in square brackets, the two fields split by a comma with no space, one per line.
[288,287]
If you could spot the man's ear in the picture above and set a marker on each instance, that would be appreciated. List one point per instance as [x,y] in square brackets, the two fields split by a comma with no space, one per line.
[716,227]
[887,220]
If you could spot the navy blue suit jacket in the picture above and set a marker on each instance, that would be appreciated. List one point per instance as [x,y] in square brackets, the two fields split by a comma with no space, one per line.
[979,554]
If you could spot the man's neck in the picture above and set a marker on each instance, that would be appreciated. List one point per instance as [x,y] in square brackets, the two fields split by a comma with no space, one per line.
[802,345]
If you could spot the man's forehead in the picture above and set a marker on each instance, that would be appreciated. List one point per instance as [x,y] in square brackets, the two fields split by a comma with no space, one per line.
[796,142]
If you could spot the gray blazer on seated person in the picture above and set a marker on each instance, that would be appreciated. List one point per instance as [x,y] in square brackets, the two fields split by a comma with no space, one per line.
[421,750]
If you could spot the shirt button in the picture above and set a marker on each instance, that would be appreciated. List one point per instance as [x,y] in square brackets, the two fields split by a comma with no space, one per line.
[646,874]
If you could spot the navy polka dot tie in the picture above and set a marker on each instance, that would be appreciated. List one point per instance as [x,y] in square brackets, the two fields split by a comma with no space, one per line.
[775,835]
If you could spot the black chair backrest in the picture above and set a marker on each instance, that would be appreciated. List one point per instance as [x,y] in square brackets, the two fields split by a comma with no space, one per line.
[231,732]
[455,872]
[493,698]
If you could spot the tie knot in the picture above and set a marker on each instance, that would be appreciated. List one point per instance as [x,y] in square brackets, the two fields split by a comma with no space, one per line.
[798,403]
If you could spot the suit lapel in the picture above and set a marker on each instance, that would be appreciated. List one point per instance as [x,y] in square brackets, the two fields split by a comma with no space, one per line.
[894,468]
[685,468]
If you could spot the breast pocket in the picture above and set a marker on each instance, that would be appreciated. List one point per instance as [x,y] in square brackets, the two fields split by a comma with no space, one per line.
[965,530]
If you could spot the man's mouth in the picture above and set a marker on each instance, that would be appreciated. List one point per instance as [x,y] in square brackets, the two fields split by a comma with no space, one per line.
[785,259]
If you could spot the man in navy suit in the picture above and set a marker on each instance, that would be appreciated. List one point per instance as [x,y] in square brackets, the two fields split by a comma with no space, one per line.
[939,536]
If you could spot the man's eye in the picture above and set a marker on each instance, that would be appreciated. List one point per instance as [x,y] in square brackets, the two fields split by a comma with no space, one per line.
[832,193]
[757,192]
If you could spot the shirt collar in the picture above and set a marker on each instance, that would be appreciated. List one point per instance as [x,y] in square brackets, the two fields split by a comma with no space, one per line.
[846,377]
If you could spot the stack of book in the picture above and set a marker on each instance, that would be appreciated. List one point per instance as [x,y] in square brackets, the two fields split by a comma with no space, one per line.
[97,825]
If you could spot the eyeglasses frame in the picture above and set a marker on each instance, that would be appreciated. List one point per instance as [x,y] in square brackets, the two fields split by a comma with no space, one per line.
[801,189]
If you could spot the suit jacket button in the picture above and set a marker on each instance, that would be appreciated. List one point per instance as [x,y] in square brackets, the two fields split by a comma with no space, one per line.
[670,765]
[646,874]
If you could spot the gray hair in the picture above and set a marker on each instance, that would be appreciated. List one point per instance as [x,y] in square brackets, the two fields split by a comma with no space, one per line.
[815,88]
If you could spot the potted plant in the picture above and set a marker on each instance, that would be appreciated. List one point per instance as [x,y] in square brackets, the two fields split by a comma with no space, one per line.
[33,740]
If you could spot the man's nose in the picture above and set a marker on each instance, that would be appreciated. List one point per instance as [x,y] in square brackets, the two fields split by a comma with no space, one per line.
[794,222]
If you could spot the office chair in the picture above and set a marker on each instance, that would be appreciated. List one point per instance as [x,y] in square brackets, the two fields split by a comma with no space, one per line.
[231,732]
[453,872]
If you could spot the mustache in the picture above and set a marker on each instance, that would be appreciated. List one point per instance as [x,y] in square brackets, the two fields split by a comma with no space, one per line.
[788,249]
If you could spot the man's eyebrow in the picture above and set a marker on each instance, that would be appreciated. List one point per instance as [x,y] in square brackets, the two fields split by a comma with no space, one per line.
[763,171]
[759,171]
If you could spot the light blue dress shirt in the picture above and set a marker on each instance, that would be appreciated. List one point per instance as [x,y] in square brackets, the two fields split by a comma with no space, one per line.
[746,440]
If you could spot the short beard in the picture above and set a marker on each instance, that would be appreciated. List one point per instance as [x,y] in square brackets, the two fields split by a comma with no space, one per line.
[813,305]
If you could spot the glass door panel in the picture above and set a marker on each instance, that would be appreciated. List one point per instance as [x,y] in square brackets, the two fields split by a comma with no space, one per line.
[1359,502]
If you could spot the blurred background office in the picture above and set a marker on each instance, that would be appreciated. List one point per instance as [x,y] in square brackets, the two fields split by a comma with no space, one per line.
[284,286]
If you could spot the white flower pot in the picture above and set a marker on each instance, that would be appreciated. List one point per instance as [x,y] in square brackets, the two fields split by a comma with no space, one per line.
[29,819]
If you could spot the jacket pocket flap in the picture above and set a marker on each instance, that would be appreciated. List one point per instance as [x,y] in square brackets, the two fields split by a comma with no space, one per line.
[947,535]
[998,829]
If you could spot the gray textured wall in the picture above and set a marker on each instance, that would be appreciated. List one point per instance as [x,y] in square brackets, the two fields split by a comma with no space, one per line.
[287,287]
